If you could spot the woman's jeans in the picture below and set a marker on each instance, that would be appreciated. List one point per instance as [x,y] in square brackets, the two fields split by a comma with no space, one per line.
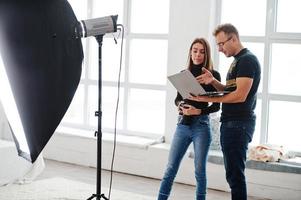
[235,137]
[198,132]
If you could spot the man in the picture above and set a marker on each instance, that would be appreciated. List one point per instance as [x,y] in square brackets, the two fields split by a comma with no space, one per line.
[238,117]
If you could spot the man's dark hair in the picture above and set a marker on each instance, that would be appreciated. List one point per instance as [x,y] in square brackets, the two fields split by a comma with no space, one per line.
[227,28]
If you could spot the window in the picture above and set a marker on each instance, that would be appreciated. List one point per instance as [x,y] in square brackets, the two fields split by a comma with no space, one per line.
[276,40]
[242,15]
[148,61]
[146,104]
[143,19]
[285,69]
[288,13]
[143,76]
[284,127]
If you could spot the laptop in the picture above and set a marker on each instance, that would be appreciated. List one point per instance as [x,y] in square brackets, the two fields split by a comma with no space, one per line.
[187,85]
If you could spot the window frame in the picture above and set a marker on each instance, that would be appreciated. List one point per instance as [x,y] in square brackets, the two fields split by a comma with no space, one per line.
[125,84]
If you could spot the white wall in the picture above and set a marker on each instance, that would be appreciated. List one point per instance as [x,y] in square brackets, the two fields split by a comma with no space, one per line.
[188,20]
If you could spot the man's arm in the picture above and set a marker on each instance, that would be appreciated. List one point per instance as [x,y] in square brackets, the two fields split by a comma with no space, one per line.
[243,86]
[218,85]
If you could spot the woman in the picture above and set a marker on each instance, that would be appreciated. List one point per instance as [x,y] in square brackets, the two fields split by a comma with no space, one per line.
[193,125]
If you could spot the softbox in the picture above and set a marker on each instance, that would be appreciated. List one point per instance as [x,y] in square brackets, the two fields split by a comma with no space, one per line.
[42,60]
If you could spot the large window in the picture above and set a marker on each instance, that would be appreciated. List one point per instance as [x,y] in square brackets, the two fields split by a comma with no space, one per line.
[143,78]
[274,35]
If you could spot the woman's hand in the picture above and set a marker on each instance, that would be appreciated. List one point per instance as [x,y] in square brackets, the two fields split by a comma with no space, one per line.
[190,110]
[180,104]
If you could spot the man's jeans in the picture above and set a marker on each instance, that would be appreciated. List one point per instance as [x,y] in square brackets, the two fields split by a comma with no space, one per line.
[199,133]
[235,137]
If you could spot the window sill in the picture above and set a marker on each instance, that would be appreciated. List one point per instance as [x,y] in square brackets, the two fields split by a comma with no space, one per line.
[283,166]
[125,140]
[215,156]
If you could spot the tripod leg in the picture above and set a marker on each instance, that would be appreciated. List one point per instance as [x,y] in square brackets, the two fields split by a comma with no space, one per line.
[98,197]
[104,197]
[93,195]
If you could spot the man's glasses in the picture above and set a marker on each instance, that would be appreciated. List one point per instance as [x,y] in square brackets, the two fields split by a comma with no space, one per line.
[221,44]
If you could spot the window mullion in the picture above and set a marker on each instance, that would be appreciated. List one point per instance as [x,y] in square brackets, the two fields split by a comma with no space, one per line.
[266,68]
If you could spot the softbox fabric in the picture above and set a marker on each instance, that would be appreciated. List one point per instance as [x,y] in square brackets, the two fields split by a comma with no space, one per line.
[42,59]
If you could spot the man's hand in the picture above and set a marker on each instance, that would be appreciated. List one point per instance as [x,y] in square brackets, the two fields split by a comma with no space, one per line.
[199,98]
[205,78]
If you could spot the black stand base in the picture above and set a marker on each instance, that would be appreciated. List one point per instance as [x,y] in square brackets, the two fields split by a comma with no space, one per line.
[98,197]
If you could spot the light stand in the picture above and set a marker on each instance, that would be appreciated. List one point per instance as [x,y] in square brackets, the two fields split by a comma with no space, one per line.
[98,133]
[97,27]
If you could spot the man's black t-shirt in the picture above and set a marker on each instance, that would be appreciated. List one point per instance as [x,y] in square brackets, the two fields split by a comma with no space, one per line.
[245,64]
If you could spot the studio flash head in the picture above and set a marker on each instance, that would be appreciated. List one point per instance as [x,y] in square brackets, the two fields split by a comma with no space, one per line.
[96,26]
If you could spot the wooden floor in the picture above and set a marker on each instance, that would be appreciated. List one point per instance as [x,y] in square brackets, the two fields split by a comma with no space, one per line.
[135,184]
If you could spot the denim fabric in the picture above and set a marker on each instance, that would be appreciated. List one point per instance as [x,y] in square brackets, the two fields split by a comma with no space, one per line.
[235,137]
[198,133]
